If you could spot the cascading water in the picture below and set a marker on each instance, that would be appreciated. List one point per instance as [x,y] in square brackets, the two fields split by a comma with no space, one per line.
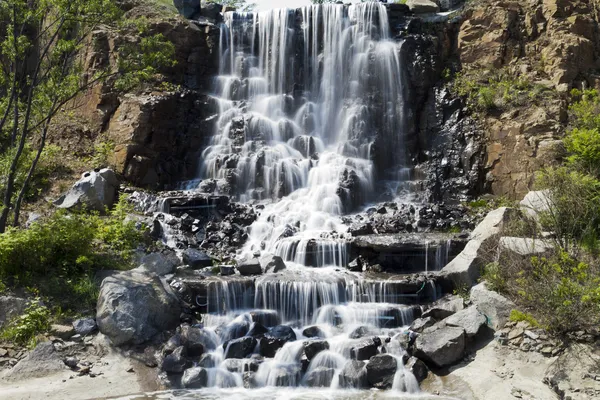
[307,99]
[303,97]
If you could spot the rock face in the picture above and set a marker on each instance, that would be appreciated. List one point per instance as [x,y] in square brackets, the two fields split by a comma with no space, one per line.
[493,305]
[133,307]
[441,346]
[94,191]
[188,8]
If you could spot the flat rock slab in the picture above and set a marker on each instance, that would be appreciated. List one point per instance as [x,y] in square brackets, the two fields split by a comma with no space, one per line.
[441,346]
[524,247]
[42,361]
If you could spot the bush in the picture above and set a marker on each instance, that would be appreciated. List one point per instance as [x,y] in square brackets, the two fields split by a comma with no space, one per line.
[24,329]
[518,316]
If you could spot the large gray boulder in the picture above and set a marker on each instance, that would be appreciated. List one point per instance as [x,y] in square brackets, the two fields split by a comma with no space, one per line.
[493,305]
[42,361]
[94,191]
[188,8]
[440,345]
[470,319]
[422,6]
[133,307]
[524,247]
[381,370]
[465,268]
[10,307]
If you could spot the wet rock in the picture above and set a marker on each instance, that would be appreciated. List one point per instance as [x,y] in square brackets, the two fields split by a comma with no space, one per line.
[10,307]
[133,307]
[356,265]
[85,326]
[313,332]
[196,259]
[239,348]
[417,368]
[445,308]
[195,378]
[354,375]
[226,270]
[187,8]
[208,361]
[364,350]
[287,376]
[470,319]
[94,191]
[421,323]
[275,339]
[196,340]
[493,305]
[359,332]
[174,342]
[257,329]
[265,317]
[319,377]
[440,346]
[271,263]
[233,365]
[314,347]
[381,370]
[249,378]
[249,266]
[176,362]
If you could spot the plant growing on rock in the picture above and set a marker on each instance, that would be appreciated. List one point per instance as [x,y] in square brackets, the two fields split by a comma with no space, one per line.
[24,329]
[41,71]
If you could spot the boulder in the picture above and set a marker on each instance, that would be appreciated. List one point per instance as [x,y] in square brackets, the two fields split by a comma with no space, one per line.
[85,326]
[133,307]
[464,269]
[417,368]
[275,339]
[188,8]
[268,318]
[10,307]
[364,350]
[421,323]
[159,263]
[422,6]
[211,10]
[492,224]
[356,265]
[195,378]
[359,332]
[493,305]
[286,376]
[314,347]
[176,362]
[445,308]
[226,270]
[381,370]
[257,329]
[440,346]
[249,266]
[314,332]
[319,377]
[535,202]
[94,191]
[524,247]
[41,361]
[354,375]
[196,259]
[249,379]
[470,319]
[239,348]
[271,263]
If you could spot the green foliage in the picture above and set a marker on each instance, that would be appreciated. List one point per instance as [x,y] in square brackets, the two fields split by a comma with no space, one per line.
[102,153]
[494,277]
[564,292]
[496,89]
[574,208]
[518,316]
[68,245]
[23,329]
[583,141]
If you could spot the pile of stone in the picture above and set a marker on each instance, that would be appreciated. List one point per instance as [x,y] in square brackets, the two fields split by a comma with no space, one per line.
[523,336]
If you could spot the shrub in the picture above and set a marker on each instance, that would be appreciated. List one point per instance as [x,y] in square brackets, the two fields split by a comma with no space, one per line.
[518,316]
[23,329]
[492,274]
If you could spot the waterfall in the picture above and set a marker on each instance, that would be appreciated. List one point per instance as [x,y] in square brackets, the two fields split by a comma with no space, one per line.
[305,97]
